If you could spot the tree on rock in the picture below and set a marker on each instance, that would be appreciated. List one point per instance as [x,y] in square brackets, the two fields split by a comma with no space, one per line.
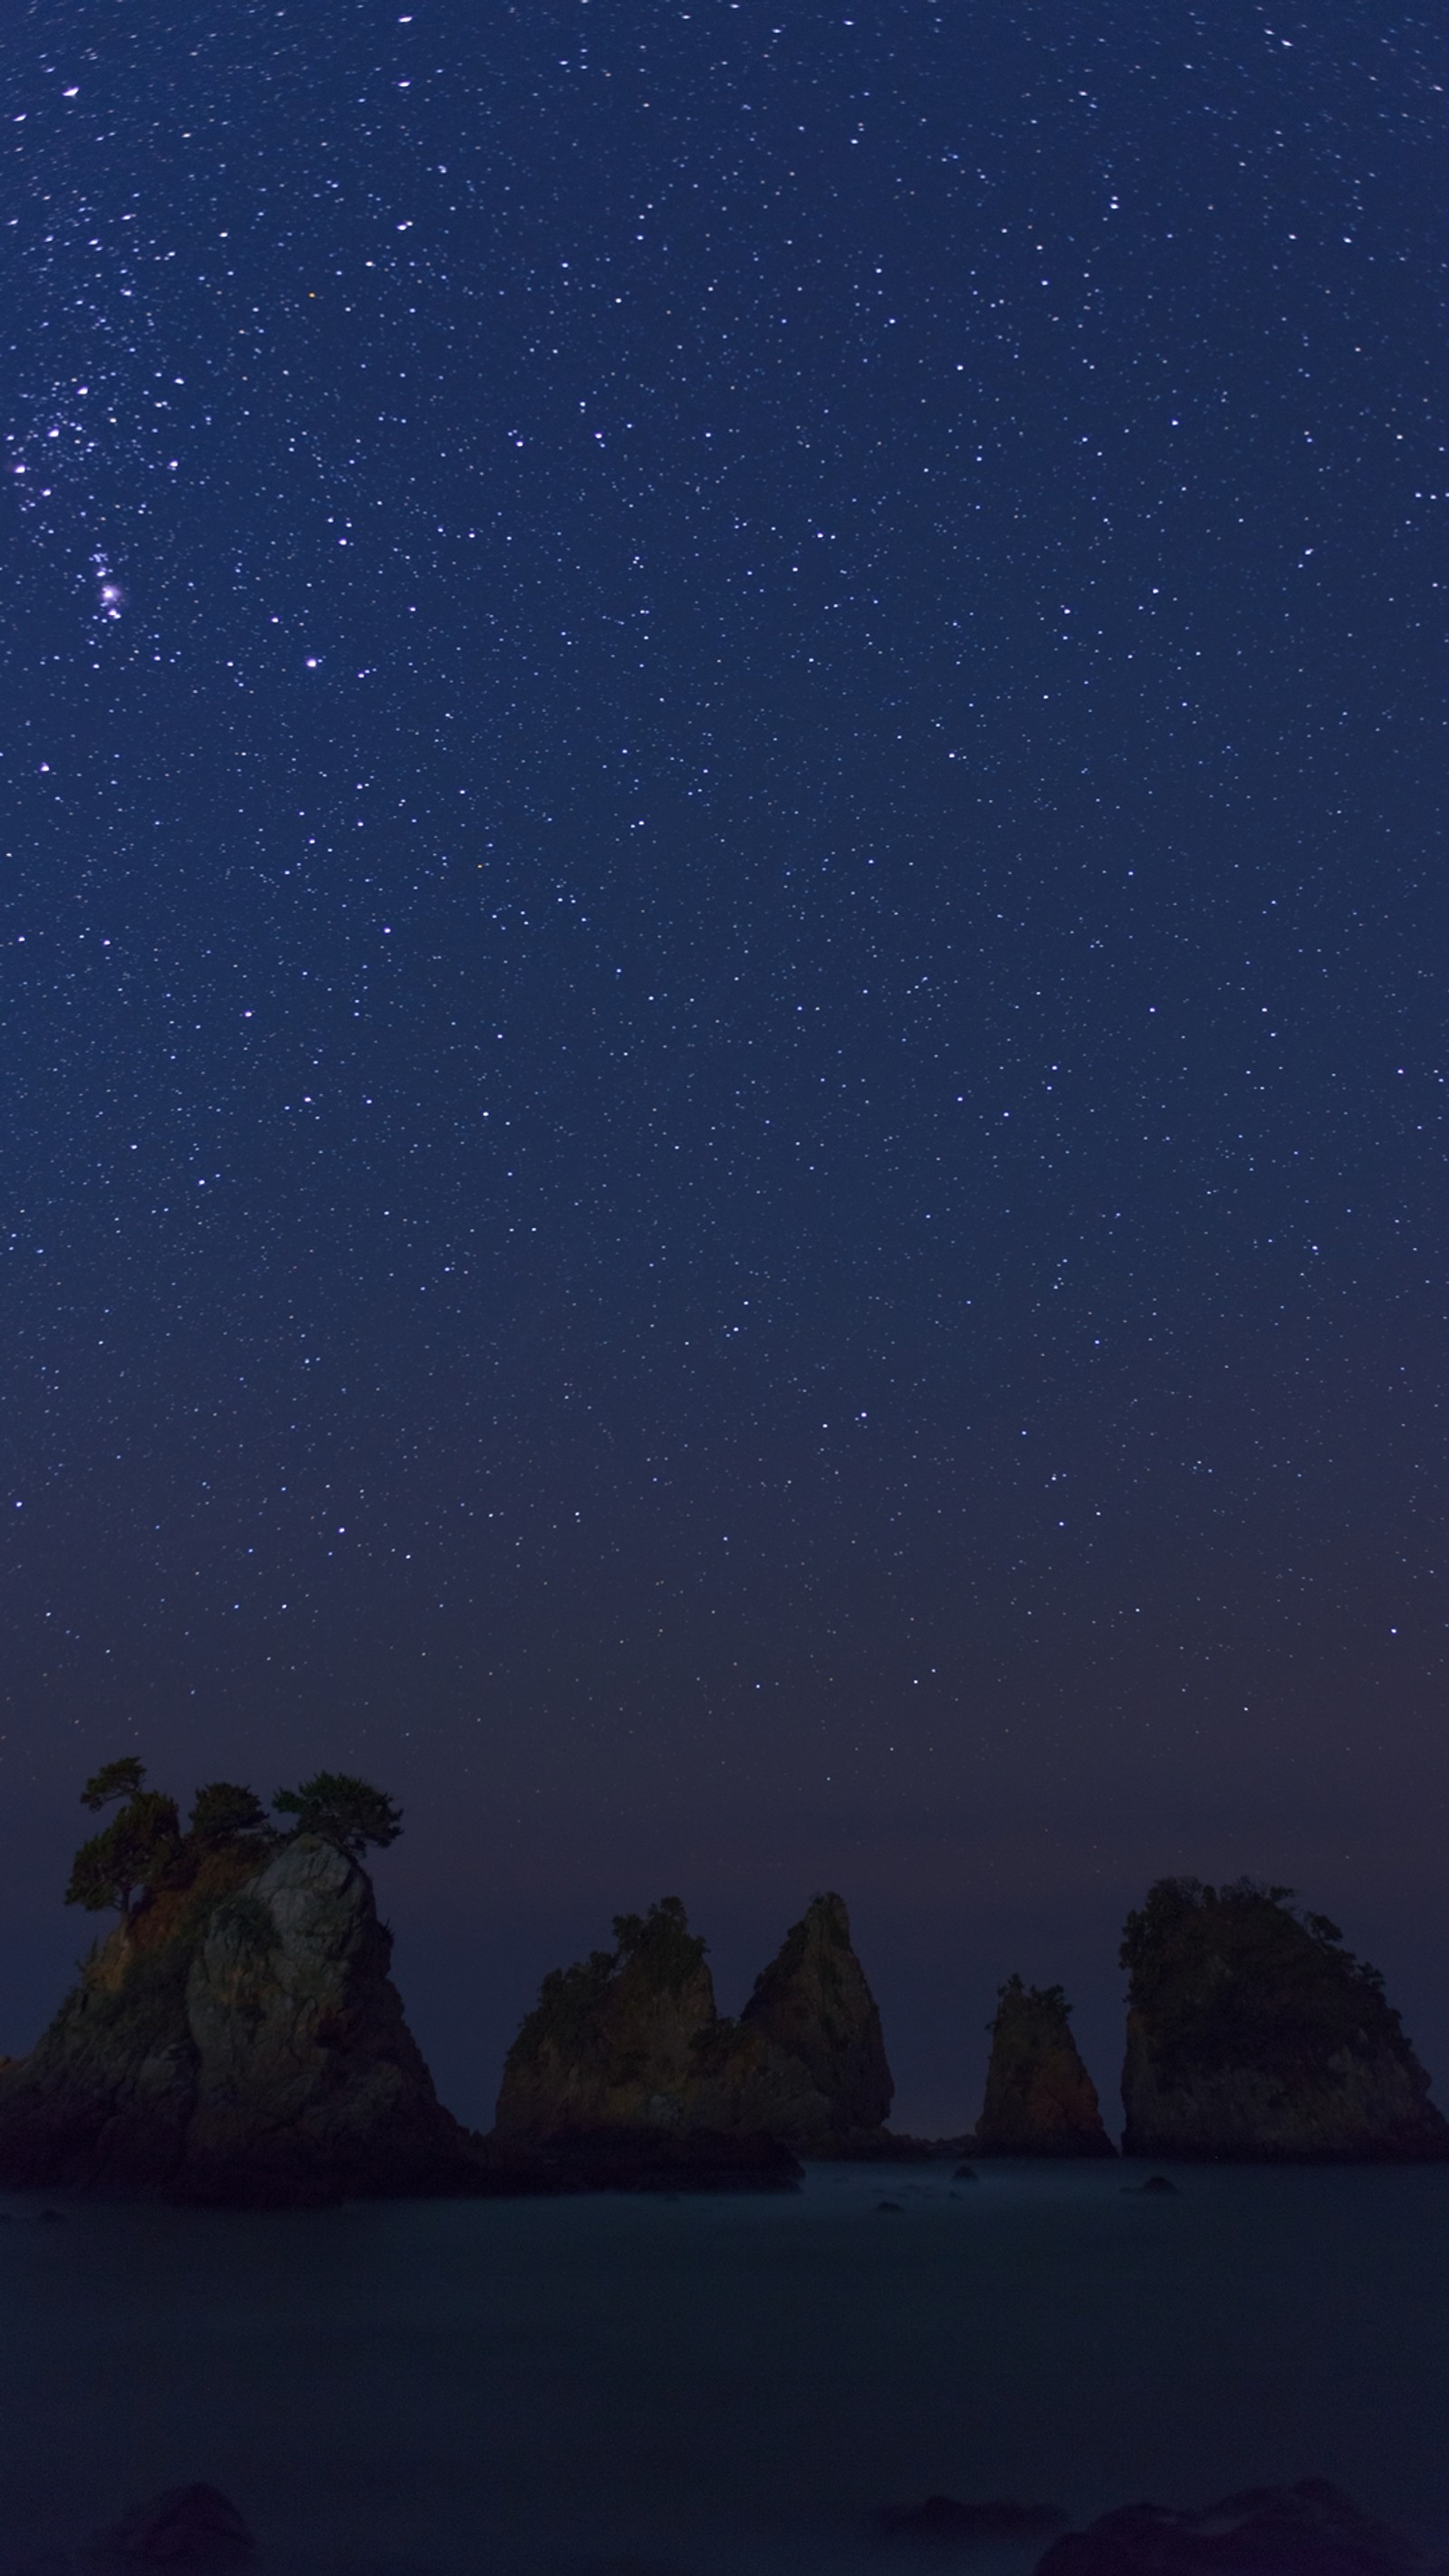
[342,1810]
[668,1953]
[238,2040]
[224,1812]
[613,2043]
[123,1779]
[1253,2032]
[138,1849]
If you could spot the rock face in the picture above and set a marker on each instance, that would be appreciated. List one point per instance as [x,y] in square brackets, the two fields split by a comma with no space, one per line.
[238,2040]
[1040,2100]
[1307,2530]
[187,2529]
[1253,2033]
[813,2003]
[611,2042]
[631,2038]
[307,2068]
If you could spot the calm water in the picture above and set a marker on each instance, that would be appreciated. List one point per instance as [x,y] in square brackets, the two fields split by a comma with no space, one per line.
[726,2385]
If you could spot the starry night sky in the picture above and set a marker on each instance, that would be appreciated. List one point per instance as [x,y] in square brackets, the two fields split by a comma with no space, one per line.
[724,920]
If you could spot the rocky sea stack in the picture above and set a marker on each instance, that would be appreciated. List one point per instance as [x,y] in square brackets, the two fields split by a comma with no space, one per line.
[1040,2100]
[631,2038]
[1253,2033]
[237,2038]
[813,2003]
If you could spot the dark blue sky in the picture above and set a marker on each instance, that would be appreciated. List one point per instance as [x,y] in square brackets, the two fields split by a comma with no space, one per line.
[724,925]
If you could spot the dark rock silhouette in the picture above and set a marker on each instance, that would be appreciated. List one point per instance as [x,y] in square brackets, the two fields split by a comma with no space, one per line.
[742,2080]
[238,2040]
[612,2041]
[194,2527]
[943,2523]
[631,2038]
[1040,2100]
[308,2077]
[1253,2033]
[814,2003]
[1305,2530]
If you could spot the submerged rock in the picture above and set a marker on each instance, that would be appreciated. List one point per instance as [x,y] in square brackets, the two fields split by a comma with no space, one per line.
[1253,2033]
[1040,2100]
[238,2040]
[1305,2530]
[631,2038]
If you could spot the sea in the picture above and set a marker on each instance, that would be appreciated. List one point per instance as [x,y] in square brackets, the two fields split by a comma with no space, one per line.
[731,2386]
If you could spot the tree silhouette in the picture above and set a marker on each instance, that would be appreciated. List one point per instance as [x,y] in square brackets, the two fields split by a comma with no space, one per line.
[123,1779]
[224,1811]
[343,1810]
[136,1849]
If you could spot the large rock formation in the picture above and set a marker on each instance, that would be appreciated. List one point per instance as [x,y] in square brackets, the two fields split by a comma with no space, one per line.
[631,2038]
[813,2003]
[238,2039]
[611,2042]
[1311,2529]
[1253,2033]
[1040,2100]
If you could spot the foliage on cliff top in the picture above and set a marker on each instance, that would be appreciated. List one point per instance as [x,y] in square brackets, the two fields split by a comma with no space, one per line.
[567,2002]
[123,1779]
[1241,1976]
[1041,2010]
[661,1945]
[343,1810]
[139,1848]
[142,1853]
[224,1810]
[658,1947]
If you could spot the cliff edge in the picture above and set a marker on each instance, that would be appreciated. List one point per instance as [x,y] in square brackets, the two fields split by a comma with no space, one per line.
[1253,2033]
[813,2002]
[631,2038]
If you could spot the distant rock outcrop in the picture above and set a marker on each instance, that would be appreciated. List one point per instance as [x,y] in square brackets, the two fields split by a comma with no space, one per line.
[238,2039]
[611,2042]
[631,2038]
[943,2527]
[1253,2033]
[1040,2100]
[1311,2529]
[813,2002]
[189,2531]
